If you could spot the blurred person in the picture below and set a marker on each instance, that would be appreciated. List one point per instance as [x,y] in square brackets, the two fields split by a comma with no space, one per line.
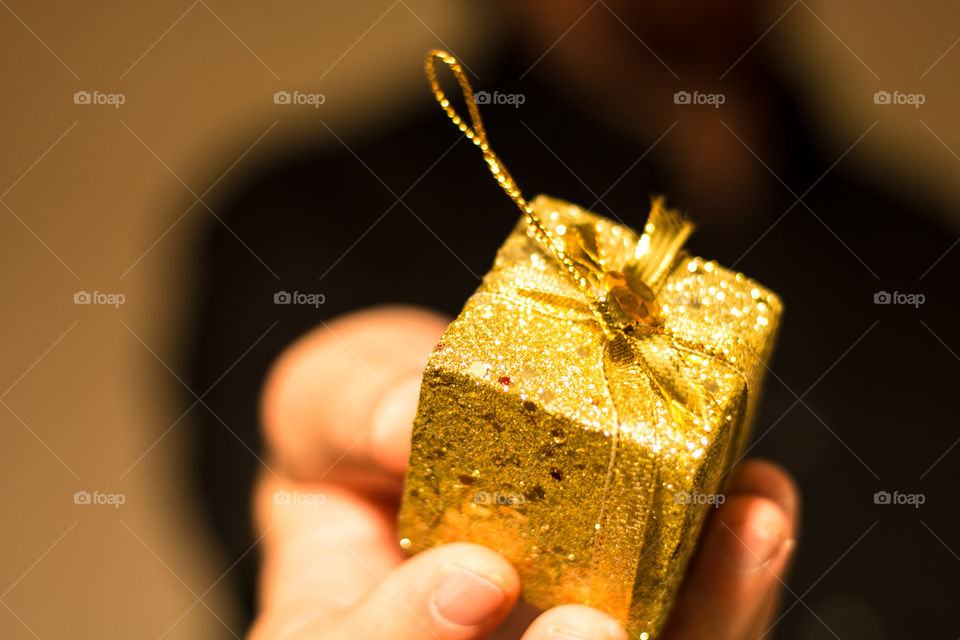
[407,215]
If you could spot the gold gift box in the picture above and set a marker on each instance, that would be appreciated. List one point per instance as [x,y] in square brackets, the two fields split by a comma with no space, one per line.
[585,448]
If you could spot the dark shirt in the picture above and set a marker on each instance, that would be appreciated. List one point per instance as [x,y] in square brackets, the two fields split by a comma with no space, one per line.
[859,395]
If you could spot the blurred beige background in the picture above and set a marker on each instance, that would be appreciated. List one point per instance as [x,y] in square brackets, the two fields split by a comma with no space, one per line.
[95,199]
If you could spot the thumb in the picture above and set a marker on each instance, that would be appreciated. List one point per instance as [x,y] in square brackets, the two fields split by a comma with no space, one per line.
[456,591]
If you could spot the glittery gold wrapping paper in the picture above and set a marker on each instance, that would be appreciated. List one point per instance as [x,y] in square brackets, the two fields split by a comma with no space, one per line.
[586,455]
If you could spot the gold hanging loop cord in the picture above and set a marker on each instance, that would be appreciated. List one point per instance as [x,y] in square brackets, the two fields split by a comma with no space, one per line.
[476,134]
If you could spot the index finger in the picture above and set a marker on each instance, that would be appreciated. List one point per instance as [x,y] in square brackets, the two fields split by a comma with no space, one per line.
[340,402]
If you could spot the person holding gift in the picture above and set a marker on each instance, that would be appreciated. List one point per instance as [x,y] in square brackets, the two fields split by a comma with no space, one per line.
[348,392]
[338,405]
[458,589]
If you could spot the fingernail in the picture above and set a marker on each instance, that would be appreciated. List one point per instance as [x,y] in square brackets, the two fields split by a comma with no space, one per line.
[752,549]
[391,421]
[467,599]
[613,631]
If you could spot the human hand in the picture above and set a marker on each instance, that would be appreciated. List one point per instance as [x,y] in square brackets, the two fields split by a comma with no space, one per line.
[337,412]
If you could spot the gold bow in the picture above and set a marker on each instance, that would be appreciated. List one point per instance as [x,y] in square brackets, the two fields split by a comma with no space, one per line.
[622,298]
